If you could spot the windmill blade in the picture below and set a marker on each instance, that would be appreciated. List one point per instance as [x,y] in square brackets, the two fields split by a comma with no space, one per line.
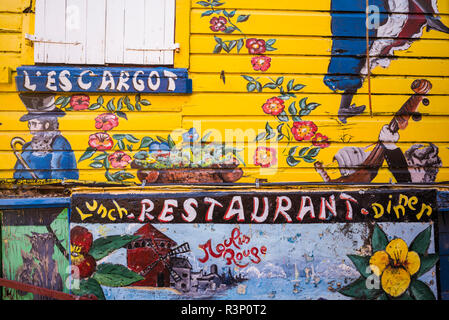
[183,248]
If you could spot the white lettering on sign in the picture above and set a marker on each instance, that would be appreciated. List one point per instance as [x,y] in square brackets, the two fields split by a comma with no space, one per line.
[110,80]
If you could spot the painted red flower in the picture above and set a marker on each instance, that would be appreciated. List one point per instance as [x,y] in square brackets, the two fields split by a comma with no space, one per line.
[79,102]
[218,24]
[119,159]
[255,46]
[80,244]
[320,140]
[106,121]
[265,157]
[273,106]
[261,63]
[304,130]
[101,141]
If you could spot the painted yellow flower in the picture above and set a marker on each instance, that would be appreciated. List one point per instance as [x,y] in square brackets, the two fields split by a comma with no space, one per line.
[395,266]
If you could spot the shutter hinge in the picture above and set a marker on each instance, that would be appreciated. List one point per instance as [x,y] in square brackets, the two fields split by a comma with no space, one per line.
[173,47]
[34,38]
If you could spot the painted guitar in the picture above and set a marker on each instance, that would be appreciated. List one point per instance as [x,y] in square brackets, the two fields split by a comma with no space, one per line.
[367,171]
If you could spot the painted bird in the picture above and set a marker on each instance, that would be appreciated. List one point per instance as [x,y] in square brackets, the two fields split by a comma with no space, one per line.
[401,22]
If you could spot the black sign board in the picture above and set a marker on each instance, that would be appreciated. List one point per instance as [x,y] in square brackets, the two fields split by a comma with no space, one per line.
[271,207]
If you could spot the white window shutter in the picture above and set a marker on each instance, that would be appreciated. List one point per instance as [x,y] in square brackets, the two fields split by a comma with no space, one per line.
[134,31]
[75,31]
[115,25]
[99,32]
[95,31]
[50,31]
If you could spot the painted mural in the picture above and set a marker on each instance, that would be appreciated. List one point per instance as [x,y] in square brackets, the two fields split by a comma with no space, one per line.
[35,250]
[301,131]
[190,247]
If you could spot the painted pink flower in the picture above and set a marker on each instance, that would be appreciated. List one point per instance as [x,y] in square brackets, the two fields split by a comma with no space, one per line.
[265,157]
[218,24]
[79,102]
[119,159]
[255,46]
[101,141]
[304,130]
[106,121]
[261,63]
[321,141]
[274,106]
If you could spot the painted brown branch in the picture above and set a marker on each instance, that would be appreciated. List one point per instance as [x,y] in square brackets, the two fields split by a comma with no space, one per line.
[40,291]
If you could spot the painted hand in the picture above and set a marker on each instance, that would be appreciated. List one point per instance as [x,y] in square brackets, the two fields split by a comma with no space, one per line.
[388,138]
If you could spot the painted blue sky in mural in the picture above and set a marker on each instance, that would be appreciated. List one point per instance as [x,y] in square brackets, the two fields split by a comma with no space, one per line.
[301,261]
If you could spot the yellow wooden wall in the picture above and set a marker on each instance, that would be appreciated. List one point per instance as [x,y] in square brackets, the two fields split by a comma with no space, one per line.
[303,42]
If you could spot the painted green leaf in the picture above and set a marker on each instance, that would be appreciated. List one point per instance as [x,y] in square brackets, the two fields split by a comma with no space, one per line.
[100,157]
[358,289]
[427,262]
[106,163]
[131,138]
[270,85]
[248,78]
[243,17]
[303,151]
[229,30]
[203,3]
[60,100]
[65,102]
[170,141]
[270,42]
[118,136]
[240,44]
[94,106]
[101,247]
[313,152]
[218,48]
[100,100]
[261,136]
[121,145]
[292,151]
[96,164]
[145,143]
[379,240]
[120,104]
[115,275]
[279,81]
[89,286]
[292,162]
[421,291]
[207,13]
[110,106]
[290,85]
[108,176]
[121,115]
[404,296]
[292,108]
[303,103]
[250,87]
[145,102]
[298,87]
[141,155]
[362,264]
[87,154]
[383,296]
[422,241]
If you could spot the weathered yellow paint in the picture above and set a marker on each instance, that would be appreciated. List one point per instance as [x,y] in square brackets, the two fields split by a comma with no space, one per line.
[223,105]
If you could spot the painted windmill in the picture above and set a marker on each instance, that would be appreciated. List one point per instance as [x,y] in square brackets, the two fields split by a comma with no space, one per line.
[150,257]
